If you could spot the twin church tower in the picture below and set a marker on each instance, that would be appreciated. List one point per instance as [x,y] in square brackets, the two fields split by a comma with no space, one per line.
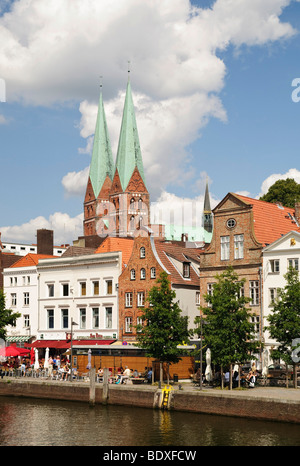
[117,202]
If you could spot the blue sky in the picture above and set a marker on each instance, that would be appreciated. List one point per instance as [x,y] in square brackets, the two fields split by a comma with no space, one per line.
[212,90]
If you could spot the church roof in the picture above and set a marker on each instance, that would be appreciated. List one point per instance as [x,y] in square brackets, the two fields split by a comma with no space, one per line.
[129,152]
[102,161]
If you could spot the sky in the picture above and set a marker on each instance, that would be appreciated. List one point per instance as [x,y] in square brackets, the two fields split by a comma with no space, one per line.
[216,88]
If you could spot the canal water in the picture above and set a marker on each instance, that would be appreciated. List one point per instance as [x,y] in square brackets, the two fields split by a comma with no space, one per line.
[31,422]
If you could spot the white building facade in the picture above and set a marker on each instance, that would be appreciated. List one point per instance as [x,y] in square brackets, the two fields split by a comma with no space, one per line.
[20,288]
[277,258]
[81,288]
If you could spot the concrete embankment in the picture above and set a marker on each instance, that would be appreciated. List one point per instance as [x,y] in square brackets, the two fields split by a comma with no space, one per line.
[262,403]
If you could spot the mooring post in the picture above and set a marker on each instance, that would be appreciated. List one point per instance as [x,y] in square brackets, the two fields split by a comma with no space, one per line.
[92,386]
[105,385]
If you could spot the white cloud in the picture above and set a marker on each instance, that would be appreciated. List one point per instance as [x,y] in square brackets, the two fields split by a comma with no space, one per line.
[75,183]
[65,228]
[268,182]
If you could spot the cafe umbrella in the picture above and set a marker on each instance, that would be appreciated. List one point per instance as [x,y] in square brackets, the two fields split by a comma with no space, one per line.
[12,351]
[208,371]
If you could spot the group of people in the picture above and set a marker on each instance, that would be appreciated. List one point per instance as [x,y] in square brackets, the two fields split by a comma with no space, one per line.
[26,365]
[125,374]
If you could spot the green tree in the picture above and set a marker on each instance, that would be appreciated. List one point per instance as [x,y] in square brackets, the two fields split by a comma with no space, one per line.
[164,328]
[284,320]
[284,191]
[7,316]
[228,330]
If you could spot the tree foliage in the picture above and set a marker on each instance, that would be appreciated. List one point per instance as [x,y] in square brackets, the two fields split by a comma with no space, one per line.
[284,320]
[164,328]
[284,191]
[7,316]
[228,330]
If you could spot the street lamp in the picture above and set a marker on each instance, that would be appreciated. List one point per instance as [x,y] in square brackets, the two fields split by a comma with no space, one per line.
[72,323]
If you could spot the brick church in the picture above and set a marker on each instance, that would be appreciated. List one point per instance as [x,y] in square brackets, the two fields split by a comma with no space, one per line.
[117,202]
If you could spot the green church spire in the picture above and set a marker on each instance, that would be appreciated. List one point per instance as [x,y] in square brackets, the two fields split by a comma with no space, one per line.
[129,152]
[102,164]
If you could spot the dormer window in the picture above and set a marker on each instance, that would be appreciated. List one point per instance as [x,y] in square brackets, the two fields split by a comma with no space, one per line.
[186,270]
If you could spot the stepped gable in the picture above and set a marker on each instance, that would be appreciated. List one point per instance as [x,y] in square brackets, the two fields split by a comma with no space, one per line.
[271,221]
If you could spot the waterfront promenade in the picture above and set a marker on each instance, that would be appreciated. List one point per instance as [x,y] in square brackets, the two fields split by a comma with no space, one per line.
[264,403]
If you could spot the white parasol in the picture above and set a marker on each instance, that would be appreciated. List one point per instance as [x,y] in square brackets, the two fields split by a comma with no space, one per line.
[265,363]
[208,371]
[36,362]
[46,362]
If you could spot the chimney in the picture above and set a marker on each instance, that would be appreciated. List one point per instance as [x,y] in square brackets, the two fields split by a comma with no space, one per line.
[297,212]
[45,242]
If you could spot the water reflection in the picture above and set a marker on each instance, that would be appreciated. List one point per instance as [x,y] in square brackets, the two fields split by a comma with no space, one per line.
[43,422]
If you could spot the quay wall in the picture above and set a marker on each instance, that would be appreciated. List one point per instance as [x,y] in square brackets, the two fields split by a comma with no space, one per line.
[217,403]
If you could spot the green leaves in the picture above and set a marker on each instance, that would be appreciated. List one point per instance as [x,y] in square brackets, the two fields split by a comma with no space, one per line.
[227,328]
[164,328]
[7,317]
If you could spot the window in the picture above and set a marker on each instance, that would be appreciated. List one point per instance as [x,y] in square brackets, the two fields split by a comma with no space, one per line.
[142,253]
[50,290]
[132,223]
[128,299]
[231,223]
[224,248]
[294,263]
[274,266]
[128,324]
[140,203]
[13,299]
[254,292]
[143,274]
[82,318]
[83,288]
[141,298]
[139,321]
[210,289]
[186,270]
[50,318]
[132,274]
[255,321]
[238,246]
[108,317]
[108,286]
[197,298]
[26,299]
[153,272]
[272,295]
[26,320]
[65,289]
[95,312]
[96,287]
[65,318]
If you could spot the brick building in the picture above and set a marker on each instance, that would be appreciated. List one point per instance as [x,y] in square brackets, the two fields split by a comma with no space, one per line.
[242,228]
[148,259]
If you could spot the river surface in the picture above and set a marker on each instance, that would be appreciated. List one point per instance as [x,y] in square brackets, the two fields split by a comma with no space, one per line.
[32,422]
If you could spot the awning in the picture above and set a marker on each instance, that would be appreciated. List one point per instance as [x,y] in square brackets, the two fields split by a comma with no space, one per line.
[65,344]
[18,338]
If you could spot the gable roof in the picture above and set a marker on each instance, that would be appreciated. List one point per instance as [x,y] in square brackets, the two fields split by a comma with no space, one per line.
[31,259]
[167,251]
[271,221]
[116,244]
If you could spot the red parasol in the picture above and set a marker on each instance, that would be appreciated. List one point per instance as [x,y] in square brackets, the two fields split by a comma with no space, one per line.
[12,351]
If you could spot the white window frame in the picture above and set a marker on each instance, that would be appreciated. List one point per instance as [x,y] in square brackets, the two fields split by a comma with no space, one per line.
[128,299]
[293,263]
[141,298]
[128,324]
[143,274]
[142,252]
[225,248]
[26,298]
[153,272]
[82,318]
[239,246]
[108,316]
[13,297]
[132,274]
[274,265]
[254,292]
[95,317]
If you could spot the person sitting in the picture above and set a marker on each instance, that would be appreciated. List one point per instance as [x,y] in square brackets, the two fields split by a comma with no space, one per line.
[135,373]
[126,374]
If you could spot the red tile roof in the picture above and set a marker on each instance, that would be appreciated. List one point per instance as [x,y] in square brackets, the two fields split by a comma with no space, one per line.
[271,221]
[166,251]
[31,259]
[115,244]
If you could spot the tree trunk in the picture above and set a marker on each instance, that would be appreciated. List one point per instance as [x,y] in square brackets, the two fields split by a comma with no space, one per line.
[222,378]
[160,373]
[230,377]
